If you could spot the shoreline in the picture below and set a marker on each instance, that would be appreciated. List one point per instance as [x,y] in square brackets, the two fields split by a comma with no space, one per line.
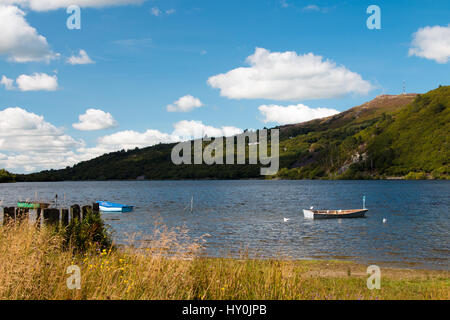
[36,267]
[212,179]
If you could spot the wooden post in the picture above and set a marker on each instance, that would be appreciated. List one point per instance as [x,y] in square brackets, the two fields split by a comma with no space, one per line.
[38,217]
[33,216]
[22,214]
[64,217]
[9,215]
[96,209]
[75,212]
[51,216]
[85,210]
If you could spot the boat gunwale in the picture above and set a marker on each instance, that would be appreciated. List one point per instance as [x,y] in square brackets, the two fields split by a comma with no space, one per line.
[339,212]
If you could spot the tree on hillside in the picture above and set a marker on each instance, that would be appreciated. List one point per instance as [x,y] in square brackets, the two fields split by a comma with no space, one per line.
[5,176]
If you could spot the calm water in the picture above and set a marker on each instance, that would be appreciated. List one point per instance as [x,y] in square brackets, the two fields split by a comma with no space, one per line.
[249,215]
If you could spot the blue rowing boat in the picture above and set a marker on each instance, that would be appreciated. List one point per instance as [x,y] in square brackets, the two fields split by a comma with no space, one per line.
[106,206]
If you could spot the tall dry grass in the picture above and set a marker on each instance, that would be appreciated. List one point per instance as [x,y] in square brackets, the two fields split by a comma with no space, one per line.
[168,265]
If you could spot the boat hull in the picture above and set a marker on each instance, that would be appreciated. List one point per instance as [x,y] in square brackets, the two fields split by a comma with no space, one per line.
[113,207]
[310,214]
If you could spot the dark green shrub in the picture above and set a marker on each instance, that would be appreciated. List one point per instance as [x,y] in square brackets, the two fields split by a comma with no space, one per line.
[88,233]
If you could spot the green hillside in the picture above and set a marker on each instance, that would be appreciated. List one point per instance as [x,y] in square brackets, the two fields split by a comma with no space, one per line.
[390,136]
[380,139]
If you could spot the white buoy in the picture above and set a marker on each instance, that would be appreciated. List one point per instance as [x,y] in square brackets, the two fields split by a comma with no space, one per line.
[286,219]
[311,208]
[384,220]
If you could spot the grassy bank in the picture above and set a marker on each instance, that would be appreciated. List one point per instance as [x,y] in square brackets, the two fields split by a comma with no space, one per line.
[34,262]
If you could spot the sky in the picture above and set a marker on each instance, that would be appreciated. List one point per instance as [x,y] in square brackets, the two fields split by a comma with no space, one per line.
[142,72]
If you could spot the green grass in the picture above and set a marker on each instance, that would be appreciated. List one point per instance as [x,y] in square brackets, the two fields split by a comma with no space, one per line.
[34,264]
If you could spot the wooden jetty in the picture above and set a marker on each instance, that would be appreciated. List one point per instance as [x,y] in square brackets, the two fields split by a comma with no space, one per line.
[48,216]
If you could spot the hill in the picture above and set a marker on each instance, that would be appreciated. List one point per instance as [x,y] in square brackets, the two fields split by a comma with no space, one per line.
[400,136]
[403,136]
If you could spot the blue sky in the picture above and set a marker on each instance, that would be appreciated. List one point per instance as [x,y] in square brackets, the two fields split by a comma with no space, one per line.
[145,61]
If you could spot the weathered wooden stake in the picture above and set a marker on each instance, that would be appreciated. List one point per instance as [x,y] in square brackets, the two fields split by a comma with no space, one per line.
[64,217]
[48,215]
[22,214]
[85,210]
[96,209]
[75,212]
[38,217]
[9,215]
[51,216]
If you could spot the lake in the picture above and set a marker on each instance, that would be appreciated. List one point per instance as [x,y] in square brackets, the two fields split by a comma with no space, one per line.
[248,215]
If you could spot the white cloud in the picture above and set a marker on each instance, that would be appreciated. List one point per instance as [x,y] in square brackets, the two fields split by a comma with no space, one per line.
[432,43]
[293,113]
[28,142]
[46,5]
[95,119]
[21,130]
[186,130]
[183,130]
[131,139]
[311,7]
[155,11]
[8,83]
[185,104]
[37,82]
[34,82]
[288,76]
[82,58]
[19,41]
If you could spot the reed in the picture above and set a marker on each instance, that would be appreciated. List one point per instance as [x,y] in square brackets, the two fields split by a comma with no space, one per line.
[169,265]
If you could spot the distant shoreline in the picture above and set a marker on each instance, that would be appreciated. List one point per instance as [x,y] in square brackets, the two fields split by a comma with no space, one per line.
[244,179]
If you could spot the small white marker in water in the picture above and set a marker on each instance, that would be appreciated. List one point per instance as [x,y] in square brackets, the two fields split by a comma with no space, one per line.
[286,219]
[384,220]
